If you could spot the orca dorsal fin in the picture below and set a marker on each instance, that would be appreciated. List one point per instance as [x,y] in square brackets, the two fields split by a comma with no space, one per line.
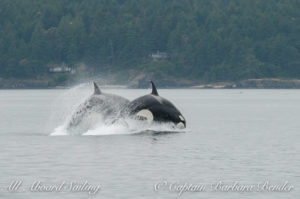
[154,91]
[96,89]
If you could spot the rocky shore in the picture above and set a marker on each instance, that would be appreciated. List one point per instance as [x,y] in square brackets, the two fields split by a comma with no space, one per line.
[271,83]
[25,84]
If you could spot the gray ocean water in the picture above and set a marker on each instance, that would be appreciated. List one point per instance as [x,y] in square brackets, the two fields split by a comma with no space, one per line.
[247,137]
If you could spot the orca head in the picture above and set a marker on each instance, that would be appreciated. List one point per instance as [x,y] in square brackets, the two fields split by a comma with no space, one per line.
[167,112]
[153,107]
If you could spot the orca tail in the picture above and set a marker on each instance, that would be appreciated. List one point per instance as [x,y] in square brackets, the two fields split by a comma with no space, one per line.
[154,91]
[96,89]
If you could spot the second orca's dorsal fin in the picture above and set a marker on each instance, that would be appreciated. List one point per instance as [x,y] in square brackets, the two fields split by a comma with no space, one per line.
[154,91]
[96,89]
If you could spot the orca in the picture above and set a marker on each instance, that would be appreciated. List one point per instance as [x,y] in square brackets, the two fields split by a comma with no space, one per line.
[99,106]
[153,107]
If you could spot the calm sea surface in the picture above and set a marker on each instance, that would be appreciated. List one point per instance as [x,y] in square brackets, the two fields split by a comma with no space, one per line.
[246,137]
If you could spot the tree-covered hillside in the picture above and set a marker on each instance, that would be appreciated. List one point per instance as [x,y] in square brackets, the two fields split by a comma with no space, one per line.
[205,40]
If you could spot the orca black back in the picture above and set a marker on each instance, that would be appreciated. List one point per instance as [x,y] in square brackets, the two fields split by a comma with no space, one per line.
[156,108]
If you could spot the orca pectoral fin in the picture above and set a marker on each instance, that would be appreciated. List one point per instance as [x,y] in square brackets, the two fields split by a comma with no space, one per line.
[154,91]
[96,89]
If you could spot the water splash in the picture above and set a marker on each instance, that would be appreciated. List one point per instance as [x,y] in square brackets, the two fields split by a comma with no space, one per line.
[94,125]
[120,128]
[64,105]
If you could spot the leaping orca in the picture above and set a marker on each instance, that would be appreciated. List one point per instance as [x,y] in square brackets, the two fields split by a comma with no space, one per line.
[99,105]
[153,107]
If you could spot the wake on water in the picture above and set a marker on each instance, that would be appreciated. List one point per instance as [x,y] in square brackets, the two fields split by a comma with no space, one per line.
[119,128]
[94,125]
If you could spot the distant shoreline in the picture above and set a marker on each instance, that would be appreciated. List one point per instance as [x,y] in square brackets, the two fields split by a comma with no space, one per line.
[267,83]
